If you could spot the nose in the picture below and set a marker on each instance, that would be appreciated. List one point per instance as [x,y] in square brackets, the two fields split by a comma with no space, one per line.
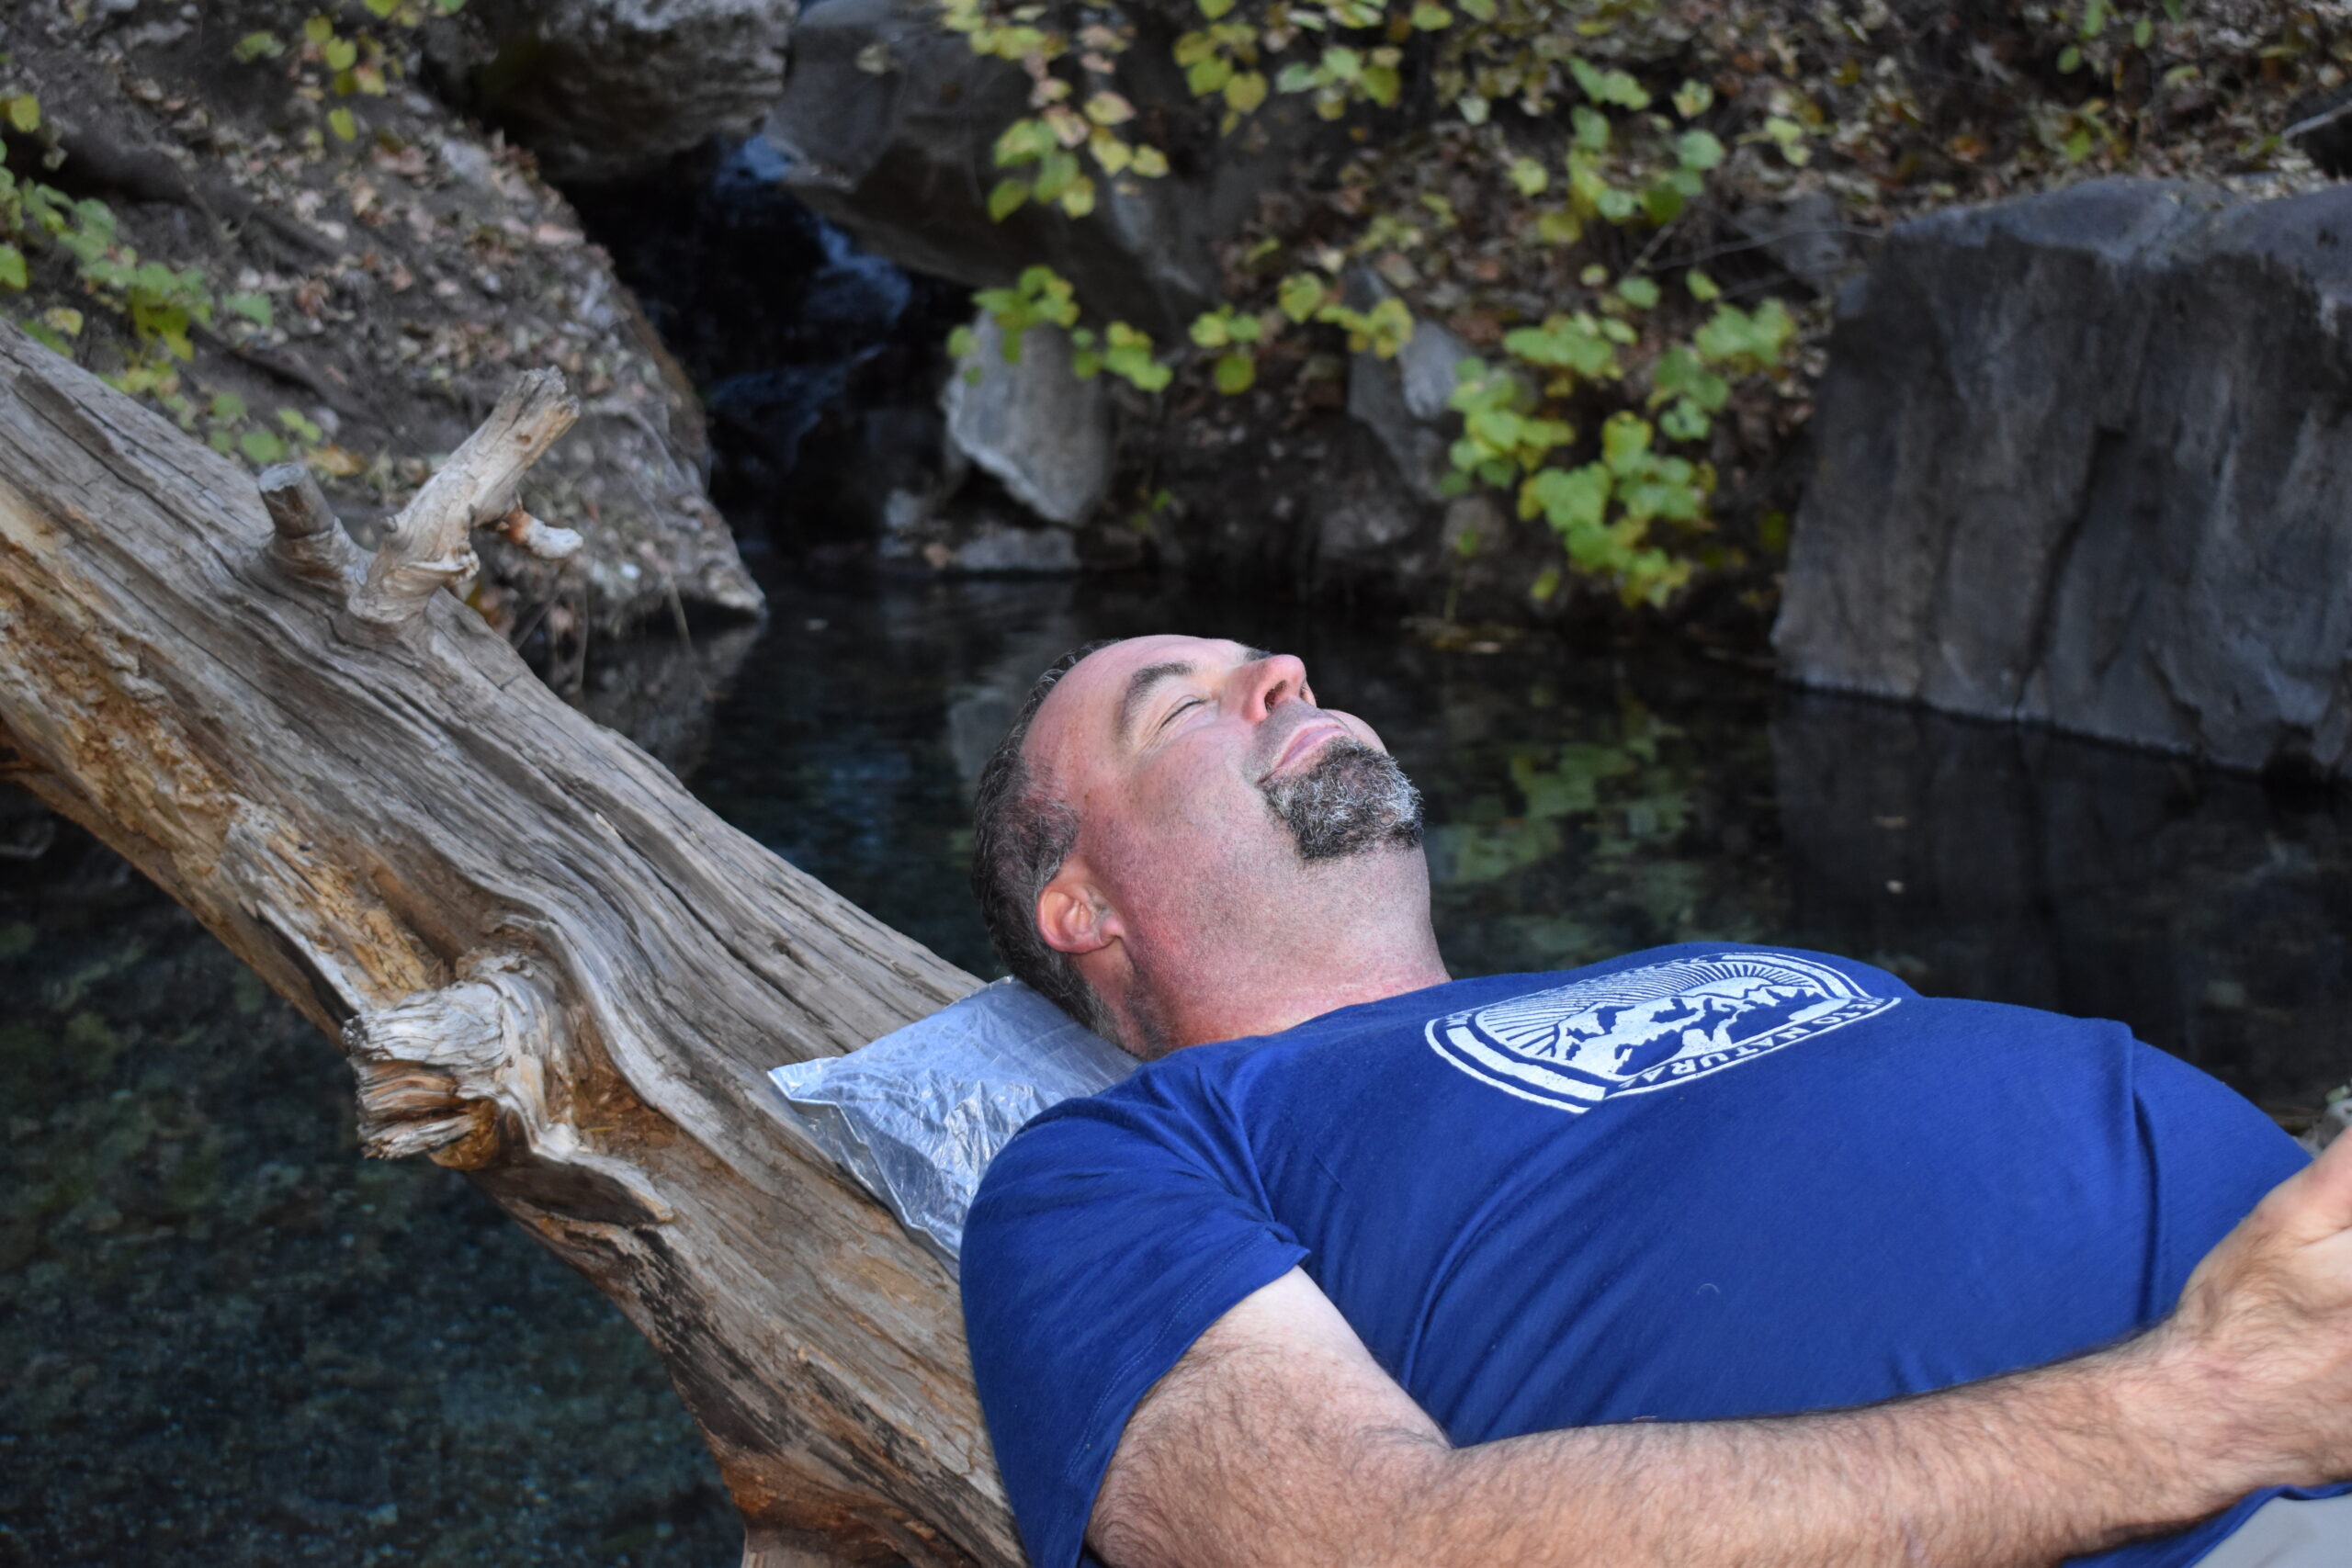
[1272,681]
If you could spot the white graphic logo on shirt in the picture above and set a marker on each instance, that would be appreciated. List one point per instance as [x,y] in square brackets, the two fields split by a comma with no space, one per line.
[1655,1027]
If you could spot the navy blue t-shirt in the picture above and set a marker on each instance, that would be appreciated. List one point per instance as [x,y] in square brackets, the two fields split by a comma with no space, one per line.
[1693,1183]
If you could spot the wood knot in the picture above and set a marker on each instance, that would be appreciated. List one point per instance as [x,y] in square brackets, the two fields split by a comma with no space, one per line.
[433,1068]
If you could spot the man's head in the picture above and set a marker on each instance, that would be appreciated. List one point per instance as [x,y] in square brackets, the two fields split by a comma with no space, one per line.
[1175,842]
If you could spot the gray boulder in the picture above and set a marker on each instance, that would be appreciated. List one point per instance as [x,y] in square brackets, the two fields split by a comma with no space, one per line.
[1032,423]
[2085,458]
[611,89]
[890,122]
[1403,401]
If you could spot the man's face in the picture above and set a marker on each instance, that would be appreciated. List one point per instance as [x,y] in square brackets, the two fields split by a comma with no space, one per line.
[1211,792]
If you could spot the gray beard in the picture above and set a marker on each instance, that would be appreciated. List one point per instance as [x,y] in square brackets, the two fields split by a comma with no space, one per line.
[1353,800]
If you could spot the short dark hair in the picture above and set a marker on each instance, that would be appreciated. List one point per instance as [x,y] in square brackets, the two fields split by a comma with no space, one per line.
[1020,835]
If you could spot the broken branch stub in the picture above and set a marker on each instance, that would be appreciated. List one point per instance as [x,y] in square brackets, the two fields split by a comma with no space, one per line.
[425,547]
[308,538]
[544,540]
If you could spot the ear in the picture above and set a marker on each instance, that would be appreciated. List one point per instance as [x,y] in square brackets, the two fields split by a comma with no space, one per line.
[1073,914]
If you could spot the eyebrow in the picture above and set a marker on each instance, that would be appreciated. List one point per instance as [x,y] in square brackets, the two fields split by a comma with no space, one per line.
[1141,684]
[1141,687]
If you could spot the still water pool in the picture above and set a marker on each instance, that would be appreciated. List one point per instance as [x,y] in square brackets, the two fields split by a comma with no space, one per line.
[230,1341]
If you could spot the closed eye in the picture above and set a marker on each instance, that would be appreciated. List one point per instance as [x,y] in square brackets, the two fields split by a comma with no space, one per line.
[1170,715]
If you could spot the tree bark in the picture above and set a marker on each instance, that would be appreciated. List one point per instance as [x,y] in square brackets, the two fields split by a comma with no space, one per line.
[550,965]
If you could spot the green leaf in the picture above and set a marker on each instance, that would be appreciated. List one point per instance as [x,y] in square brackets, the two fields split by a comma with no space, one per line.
[1056,171]
[227,407]
[1625,442]
[1208,75]
[1024,142]
[1698,150]
[1213,9]
[1384,84]
[318,29]
[24,113]
[342,124]
[1530,176]
[2144,32]
[12,268]
[1300,295]
[1639,292]
[1236,373]
[340,54]
[295,421]
[1007,197]
[2070,58]
[1559,227]
[1109,109]
[1692,100]
[261,447]
[257,45]
[1245,92]
[1430,18]
[1572,500]
[254,307]
[1591,128]
[1149,161]
[381,8]
[1686,421]
[1704,289]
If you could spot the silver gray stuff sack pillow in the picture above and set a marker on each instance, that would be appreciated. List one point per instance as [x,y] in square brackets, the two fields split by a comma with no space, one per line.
[917,1115]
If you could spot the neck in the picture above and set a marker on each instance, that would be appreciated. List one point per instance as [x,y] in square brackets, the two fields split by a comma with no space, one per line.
[1330,936]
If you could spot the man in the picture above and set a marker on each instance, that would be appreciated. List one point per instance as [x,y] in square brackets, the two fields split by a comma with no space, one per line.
[1370,1267]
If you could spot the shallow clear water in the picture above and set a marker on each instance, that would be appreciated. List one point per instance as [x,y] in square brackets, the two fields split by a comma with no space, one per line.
[232,1341]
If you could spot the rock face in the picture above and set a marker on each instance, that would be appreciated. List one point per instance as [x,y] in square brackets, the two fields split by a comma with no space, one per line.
[890,122]
[396,285]
[2086,459]
[607,89]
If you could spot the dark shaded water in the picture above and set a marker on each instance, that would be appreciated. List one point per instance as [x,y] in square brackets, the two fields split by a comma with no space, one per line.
[230,1341]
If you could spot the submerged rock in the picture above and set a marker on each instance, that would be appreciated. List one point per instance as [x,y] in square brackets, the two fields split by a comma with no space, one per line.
[2082,461]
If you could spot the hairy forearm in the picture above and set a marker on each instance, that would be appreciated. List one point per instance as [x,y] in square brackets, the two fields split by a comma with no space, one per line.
[2024,1470]
[1247,1468]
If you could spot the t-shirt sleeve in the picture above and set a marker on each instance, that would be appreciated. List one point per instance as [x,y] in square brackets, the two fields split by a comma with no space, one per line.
[1104,1239]
[2212,1155]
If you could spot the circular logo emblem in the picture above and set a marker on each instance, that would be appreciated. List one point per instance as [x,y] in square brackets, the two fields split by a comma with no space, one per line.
[1655,1027]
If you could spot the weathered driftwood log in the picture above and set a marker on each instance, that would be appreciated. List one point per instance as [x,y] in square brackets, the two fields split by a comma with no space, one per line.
[550,965]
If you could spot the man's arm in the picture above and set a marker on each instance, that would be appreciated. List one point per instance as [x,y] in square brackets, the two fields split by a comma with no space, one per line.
[1278,1440]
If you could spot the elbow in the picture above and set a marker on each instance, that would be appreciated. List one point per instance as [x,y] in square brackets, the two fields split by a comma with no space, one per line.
[1392,1502]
